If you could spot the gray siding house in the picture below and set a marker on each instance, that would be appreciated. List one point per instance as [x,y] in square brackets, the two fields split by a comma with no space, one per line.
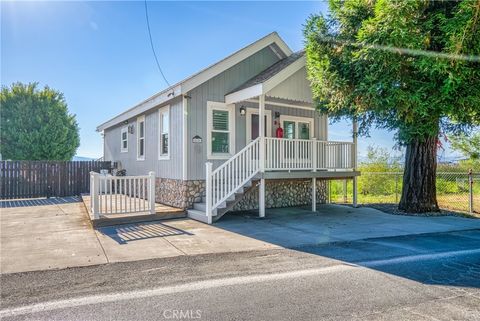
[211,153]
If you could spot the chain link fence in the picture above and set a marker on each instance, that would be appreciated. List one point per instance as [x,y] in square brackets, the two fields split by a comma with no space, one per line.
[456,191]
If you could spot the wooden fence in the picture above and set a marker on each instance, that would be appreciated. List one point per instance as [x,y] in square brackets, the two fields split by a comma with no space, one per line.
[28,179]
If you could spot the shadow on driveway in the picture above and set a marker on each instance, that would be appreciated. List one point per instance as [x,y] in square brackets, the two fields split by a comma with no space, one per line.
[370,238]
[123,234]
[39,201]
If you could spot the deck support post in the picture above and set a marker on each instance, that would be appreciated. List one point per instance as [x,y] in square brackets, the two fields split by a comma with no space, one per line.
[261,198]
[314,194]
[354,160]
[151,191]
[314,179]
[261,134]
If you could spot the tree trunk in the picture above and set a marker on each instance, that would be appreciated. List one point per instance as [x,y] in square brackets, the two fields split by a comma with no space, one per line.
[419,189]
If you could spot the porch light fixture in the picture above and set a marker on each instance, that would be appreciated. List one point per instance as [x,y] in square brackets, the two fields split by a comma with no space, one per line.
[243,111]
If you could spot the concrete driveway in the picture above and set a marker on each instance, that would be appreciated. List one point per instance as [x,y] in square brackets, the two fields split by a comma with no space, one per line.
[297,227]
[59,235]
[55,235]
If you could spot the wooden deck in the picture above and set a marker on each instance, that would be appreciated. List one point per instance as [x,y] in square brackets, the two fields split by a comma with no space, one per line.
[162,212]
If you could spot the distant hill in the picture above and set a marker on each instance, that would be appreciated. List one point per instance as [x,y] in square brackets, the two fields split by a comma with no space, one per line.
[82,159]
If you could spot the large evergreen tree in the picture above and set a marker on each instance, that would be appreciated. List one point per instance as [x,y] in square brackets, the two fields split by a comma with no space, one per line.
[410,66]
[36,125]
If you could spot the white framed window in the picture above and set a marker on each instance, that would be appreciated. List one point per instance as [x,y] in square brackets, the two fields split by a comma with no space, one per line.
[252,127]
[295,127]
[220,130]
[141,137]
[124,140]
[164,133]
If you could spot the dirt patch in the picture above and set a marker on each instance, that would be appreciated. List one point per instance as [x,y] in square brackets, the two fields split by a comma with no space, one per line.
[392,208]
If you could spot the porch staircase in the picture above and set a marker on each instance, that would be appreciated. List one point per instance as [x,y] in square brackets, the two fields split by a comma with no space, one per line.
[199,209]
[227,184]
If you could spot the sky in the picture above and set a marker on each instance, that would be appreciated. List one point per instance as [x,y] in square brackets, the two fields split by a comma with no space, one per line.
[98,53]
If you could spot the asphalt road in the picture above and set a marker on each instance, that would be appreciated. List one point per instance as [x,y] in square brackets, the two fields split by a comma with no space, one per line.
[421,277]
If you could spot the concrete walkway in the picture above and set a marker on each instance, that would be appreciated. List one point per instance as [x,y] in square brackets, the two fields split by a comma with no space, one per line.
[60,235]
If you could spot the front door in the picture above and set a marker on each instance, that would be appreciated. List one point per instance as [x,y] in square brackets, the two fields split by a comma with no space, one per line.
[253,124]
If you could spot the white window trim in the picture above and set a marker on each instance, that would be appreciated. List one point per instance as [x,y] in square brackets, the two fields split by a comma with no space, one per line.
[162,111]
[212,105]
[139,120]
[123,130]
[298,119]
[255,111]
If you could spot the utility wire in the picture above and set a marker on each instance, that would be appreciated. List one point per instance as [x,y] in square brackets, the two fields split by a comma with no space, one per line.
[151,44]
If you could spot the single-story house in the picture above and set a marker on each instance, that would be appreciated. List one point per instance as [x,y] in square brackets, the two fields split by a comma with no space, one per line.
[211,153]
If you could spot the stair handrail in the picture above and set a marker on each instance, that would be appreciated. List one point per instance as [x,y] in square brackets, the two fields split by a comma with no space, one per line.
[226,179]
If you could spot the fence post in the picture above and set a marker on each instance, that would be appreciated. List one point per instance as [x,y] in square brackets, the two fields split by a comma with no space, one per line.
[94,188]
[470,191]
[151,191]
[355,163]
[208,191]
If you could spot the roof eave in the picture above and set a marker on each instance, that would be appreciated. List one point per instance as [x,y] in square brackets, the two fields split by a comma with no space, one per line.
[156,100]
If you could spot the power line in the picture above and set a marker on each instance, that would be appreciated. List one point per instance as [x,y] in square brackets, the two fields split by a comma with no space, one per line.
[151,44]
[405,51]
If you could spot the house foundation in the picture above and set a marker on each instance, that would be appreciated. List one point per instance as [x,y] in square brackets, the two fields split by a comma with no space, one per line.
[179,193]
[284,193]
[278,193]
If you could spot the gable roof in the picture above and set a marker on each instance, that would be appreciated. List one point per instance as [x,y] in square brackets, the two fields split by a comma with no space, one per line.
[271,71]
[273,40]
[268,79]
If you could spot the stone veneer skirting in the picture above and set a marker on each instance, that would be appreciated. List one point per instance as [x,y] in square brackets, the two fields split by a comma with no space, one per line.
[179,193]
[278,193]
[284,193]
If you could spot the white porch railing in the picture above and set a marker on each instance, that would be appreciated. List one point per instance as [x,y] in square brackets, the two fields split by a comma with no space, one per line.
[280,155]
[225,180]
[305,154]
[122,194]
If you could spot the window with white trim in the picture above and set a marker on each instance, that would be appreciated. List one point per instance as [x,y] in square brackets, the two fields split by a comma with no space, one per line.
[164,133]
[141,138]
[297,127]
[124,140]
[221,130]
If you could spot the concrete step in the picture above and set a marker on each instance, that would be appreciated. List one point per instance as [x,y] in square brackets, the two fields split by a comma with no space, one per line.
[200,206]
[203,207]
[197,215]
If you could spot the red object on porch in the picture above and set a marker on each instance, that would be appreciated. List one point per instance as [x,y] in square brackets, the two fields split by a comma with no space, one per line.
[279,132]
